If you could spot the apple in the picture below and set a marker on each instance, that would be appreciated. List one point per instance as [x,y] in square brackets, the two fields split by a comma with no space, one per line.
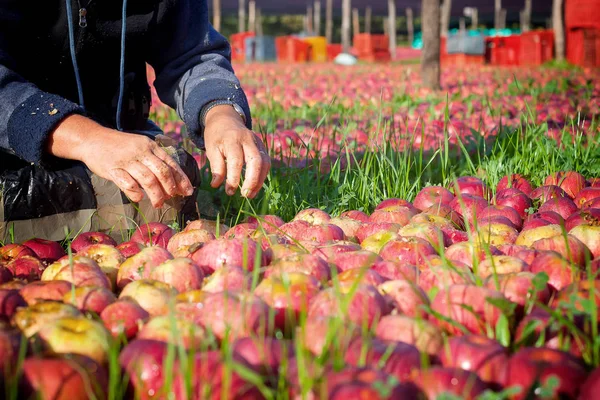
[321,234]
[327,334]
[480,314]
[154,296]
[568,246]
[288,295]
[360,275]
[26,268]
[586,195]
[355,259]
[143,363]
[479,354]
[578,295]
[432,219]
[181,273]
[515,199]
[13,251]
[591,386]
[432,195]
[563,206]
[355,215]
[524,253]
[426,231]
[267,223]
[228,278]
[588,235]
[504,211]
[11,341]
[570,181]
[46,250]
[34,317]
[371,228]
[394,270]
[593,203]
[393,203]
[399,359]
[424,335]
[313,216]
[5,275]
[281,250]
[500,265]
[265,354]
[377,241]
[365,304]
[77,335]
[537,221]
[85,239]
[530,367]
[470,253]
[437,381]
[396,215]
[410,250]
[90,298]
[560,272]
[470,185]
[519,288]
[108,258]
[153,234]
[217,253]
[53,269]
[243,230]
[130,248]
[303,263]
[441,277]
[124,316]
[15,284]
[141,265]
[294,229]
[588,216]
[171,329]
[547,192]
[193,296]
[180,242]
[454,236]
[209,225]
[63,377]
[447,212]
[230,316]
[468,206]
[81,273]
[35,292]
[348,225]
[10,301]
[495,234]
[331,250]
[528,237]
[550,216]
[516,181]
[406,297]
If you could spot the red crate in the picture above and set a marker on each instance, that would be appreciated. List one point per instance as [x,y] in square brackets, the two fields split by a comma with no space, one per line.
[238,45]
[583,47]
[463,59]
[582,14]
[291,50]
[537,47]
[367,44]
[378,56]
[333,50]
[503,50]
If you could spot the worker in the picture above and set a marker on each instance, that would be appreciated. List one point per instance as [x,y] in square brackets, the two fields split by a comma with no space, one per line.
[75,101]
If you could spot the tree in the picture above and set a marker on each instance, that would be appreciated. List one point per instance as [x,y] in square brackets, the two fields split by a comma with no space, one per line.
[329,21]
[445,18]
[217,14]
[392,28]
[559,29]
[430,58]
[242,16]
[346,39]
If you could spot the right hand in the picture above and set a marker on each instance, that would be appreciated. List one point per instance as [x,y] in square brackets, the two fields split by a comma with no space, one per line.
[135,163]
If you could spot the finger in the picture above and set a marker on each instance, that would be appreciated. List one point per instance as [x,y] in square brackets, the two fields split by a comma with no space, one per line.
[127,185]
[162,172]
[148,182]
[264,171]
[181,179]
[235,160]
[253,168]
[217,166]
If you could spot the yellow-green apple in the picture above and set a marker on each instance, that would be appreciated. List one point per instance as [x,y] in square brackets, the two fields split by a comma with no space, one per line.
[86,239]
[153,296]
[90,298]
[409,250]
[45,290]
[515,199]
[372,228]
[425,218]
[500,265]
[304,263]
[447,212]
[141,265]
[32,318]
[181,273]
[422,334]
[528,237]
[10,301]
[561,272]
[406,297]
[171,329]
[130,248]
[181,241]
[77,335]
[124,316]
[494,233]
[153,234]
[281,250]
[356,215]
[46,250]
[375,242]
[590,236]
[439,381]
[516,181]
[193,296]
[26,268]
[108,258]
[217,253]
[13,251]
[53,269]
[432,195]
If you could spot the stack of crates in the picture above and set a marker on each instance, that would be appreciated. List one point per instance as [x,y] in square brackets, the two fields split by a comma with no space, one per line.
[260,49]
[374,48]
[503,50]
[582,21]
[238,45]
[463,49]
[537,48]
[318,48]
[290,49]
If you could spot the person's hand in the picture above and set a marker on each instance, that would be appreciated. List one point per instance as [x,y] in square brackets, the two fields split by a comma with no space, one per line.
[230,145]
[135,163]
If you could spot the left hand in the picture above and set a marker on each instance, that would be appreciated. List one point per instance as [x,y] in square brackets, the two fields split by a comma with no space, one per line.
[230,145]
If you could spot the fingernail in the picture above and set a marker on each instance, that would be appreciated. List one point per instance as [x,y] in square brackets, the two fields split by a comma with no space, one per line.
[245,192]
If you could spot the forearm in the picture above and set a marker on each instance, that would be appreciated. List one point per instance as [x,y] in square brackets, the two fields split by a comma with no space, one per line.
[71,136]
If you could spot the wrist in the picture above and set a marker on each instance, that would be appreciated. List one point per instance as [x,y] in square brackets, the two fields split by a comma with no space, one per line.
[218,109]
[72,136]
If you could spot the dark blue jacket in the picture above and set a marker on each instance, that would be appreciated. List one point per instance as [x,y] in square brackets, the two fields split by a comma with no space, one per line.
[37,81]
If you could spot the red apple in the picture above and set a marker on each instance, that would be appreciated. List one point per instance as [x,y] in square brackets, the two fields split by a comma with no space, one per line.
[563,206]
[500,265]
[35,292]
[468,206]
[524,253]
[174,330]
[591,386]
[348,225]
[143,361]
[410,250]
[324,334]
[124,316]
[355,215]
[406,297]
[228,278]
[470,185]
[153,234]
[267,223]
[355,259]
[568,246]
[519,288]
[13,251]
[181,273]
[371,228]
[420,333]
[570,181]
[80,273]
[303,263]
[426,231]
[396,215]
[181,242]
[394,270]
[463,384]
[360,275]
[586,195]
[394,203]
[130,248]
[588,216]
[313,216]
[470,253]
[242,230]
[515,199]
[108,258]
[494,219]
[10,301]
[447,212]
[516,181]
[34,317]
[441,277]
[141,265]
[220,252]
[90,298]
[547,192]
[46,250]
[85,239]
[432,195]
[561,273]
[209,225]
[503,211]
[265,354]
[26,268]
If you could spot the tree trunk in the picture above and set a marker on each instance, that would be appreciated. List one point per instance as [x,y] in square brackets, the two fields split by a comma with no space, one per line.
[410,25]
[559,29]
[368,19]
[474,18]
[430,58]
[445,17]
[242,16]
[355,22]
[346,37]
[526,17]
[497,11]
[329,21]
[259,24]
[392,28]
[309,20]
[252,15]
[317,19]
[217,14]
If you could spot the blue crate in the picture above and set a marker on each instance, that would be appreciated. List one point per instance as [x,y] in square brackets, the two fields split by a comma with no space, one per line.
[260,49]
[465,44]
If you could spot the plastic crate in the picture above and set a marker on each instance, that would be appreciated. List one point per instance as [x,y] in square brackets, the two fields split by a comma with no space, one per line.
[381,56]
[366,43]
[465,44]
[238,45]
[583,47]
[292,50]
[333,50]
[503,50]
[318,48]
[260,49]
[463,59]
[582,14]
[537,47]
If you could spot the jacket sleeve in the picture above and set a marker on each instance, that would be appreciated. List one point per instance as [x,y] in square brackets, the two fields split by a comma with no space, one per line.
[27,114]
[193,68]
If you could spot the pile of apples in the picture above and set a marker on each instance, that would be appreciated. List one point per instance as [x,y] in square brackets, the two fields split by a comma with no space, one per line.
[462,291]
